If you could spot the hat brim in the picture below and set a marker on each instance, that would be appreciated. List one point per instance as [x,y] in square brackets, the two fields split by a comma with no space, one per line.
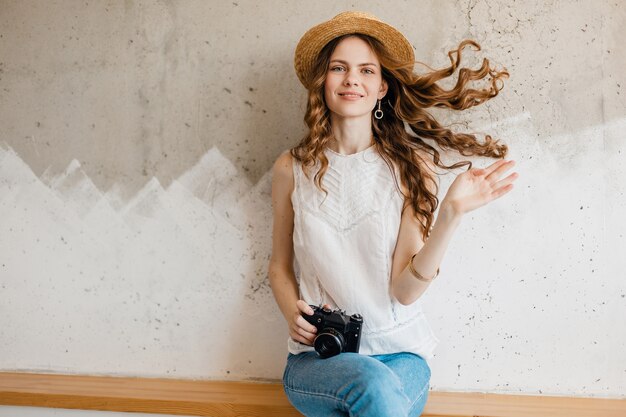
[314,40]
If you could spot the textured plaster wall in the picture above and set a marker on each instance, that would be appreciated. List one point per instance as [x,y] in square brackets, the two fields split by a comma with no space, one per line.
[136,140]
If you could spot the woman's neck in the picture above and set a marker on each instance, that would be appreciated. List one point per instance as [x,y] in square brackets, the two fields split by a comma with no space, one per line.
[351,135]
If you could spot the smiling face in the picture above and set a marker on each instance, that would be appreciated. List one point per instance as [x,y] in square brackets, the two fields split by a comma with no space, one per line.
[354,80]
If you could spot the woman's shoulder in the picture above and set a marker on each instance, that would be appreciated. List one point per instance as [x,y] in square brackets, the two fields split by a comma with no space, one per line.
[283,163]
[282,171]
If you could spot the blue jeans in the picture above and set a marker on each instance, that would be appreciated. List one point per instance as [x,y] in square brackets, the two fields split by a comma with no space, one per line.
[351,384]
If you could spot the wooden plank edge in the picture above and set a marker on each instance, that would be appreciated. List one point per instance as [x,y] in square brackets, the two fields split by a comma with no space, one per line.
[512,405]
[235,399]
[152,406]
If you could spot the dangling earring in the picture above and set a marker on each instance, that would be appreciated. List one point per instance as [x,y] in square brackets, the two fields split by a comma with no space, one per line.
[378,114]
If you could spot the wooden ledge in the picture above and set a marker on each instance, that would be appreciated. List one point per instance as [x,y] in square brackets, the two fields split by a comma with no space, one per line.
[147,395]
[250,399]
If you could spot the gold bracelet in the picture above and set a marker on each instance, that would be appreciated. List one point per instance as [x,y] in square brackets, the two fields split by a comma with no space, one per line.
[417,274]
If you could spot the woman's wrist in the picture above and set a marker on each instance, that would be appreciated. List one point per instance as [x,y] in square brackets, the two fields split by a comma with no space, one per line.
[450,212]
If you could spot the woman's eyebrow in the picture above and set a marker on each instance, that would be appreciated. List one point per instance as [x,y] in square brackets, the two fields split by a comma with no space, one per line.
[360,65]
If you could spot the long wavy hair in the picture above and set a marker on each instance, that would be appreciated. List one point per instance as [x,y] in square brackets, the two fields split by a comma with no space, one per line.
[406,101]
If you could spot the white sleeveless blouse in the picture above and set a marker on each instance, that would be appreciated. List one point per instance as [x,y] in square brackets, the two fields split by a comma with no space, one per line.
[344,244]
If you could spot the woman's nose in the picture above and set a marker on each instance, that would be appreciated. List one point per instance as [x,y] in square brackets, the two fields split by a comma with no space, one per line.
[351,79]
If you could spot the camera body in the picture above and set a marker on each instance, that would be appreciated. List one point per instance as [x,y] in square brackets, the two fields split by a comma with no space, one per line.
[336,331]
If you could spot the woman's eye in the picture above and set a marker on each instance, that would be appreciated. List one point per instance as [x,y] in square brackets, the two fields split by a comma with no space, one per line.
[342,68]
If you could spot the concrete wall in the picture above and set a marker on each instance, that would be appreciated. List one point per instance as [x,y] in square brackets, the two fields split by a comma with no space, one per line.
[136,140]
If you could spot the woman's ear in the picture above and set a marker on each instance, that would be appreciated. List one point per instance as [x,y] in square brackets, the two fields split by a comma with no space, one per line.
[383,90]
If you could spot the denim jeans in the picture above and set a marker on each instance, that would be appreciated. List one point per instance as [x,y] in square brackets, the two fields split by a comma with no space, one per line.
[351,384]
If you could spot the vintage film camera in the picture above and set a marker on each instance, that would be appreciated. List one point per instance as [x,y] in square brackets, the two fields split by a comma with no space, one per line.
[336,331]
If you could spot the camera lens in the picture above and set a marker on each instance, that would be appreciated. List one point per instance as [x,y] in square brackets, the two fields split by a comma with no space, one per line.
[329,343]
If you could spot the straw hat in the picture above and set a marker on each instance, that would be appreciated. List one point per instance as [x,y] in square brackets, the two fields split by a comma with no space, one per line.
[345,23]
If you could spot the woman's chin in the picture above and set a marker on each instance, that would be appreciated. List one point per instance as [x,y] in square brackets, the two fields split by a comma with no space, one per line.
[352,115]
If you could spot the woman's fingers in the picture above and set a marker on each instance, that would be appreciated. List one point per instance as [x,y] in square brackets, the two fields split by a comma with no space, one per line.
[495,174]
[491,168]
[300,329]
[303,331]
[300,321]
[504,186]
[493,171]
[305,325]
[506,181]
[304,307]
[303,336]
[299,338]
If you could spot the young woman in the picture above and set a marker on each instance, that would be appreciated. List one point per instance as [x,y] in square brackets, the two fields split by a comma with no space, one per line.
[354,203]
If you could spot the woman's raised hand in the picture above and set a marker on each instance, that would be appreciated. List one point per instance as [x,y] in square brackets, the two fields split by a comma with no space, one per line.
[479,186]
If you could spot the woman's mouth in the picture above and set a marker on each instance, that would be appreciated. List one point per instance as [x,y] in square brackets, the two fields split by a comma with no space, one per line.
[350,96]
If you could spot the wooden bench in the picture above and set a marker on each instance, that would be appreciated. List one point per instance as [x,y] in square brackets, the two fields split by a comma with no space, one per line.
[257,399]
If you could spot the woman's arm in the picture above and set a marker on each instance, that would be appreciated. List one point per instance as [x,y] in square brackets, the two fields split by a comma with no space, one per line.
[405,287]
[470,190]
[280,270]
